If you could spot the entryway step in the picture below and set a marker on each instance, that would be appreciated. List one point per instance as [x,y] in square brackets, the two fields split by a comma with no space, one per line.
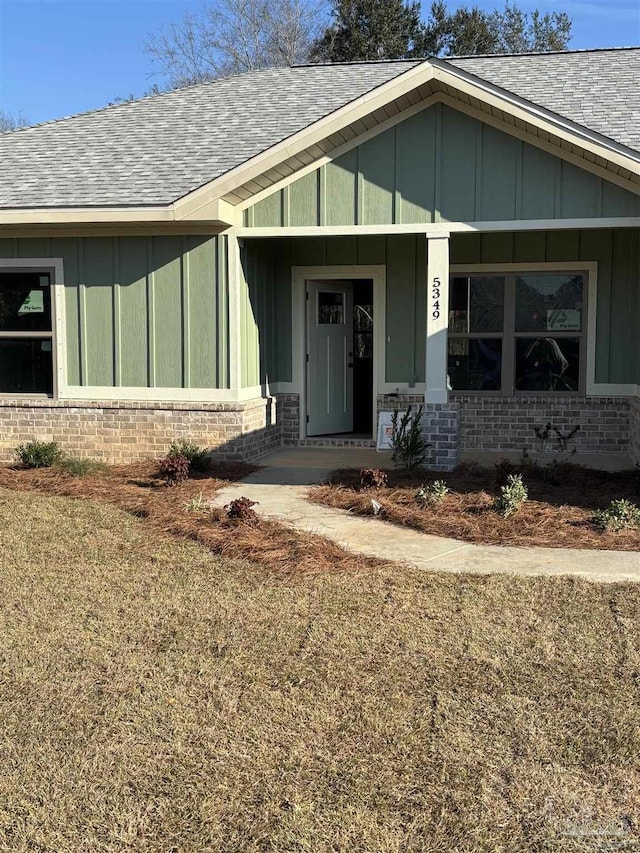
[337,442]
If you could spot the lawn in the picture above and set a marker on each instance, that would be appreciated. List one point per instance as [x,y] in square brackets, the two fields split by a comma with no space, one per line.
[157,697]
[563,499]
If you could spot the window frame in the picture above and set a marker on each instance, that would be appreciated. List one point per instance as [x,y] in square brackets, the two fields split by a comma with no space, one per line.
[53,268]
[509,335]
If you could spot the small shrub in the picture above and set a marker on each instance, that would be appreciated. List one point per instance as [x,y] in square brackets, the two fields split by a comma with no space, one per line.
[512,496]
[432,494]
[82,467]
[174,469]
[619,515]
[197,504]
[39,454]
[408,442]
[196,456]
[242,510]
[373,478]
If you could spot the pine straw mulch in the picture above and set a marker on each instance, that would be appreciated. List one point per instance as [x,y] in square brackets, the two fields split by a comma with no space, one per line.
[138,489]
[562,501]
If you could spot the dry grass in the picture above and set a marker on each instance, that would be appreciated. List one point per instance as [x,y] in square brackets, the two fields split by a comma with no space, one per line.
[557,515]
[154,697]
[139,490]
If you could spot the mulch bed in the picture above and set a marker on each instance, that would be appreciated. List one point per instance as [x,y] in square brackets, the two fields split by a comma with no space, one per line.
[562,501]
[139,490]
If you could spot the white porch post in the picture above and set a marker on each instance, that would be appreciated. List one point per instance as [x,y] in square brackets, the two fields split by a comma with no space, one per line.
[437,320]
[440,419]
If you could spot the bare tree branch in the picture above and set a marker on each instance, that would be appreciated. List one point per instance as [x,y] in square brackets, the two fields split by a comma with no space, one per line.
[234,36]
[11,121]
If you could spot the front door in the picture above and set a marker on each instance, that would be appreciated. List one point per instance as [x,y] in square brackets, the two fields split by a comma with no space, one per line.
[329,357]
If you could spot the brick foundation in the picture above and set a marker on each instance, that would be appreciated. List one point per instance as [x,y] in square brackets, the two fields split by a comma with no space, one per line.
[634,430]
[507,423]
[439,427]
[494,423]
[289,415]
[123,431]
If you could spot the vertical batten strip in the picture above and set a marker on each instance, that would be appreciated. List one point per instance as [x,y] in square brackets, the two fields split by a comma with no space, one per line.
[185,271]
[151,318]
[557,190]
[235,311]
[286,206]
[359,200]
[477,196]
[437,163]
[322,195]
[519,179]
[82,315]
[117,316]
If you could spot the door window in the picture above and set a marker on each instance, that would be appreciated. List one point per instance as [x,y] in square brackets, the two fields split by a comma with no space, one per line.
[330,308]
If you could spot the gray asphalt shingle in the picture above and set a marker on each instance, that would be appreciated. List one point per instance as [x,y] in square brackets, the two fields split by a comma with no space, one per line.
[154,151]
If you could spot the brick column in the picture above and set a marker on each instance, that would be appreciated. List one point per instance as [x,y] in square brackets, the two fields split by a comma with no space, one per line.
[440,421]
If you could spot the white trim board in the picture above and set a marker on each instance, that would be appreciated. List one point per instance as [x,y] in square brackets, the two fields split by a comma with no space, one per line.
[299,275]
[439,229]
[162,395]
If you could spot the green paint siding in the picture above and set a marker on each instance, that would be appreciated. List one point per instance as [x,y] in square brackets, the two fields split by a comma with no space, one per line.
[141,311]
[617,253]
[442,165]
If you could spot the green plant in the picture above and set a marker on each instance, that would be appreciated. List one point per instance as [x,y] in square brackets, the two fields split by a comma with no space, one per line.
[432,494]
[407,439]
[241,509]
[372,478]
[196,456]
[174,469]
[197,504]
[512,495]
[619,515]
[81,467]
[39,454]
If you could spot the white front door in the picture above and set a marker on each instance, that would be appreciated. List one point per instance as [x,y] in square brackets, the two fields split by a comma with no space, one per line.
[329,357]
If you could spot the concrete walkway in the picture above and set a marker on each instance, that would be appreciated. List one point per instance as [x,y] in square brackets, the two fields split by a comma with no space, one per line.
[281,492]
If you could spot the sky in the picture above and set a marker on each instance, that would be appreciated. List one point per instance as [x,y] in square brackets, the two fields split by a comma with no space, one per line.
[60,57]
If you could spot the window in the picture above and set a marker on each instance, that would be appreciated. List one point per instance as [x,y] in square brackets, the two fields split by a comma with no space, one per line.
[517,333]
[26,333]
[330,308]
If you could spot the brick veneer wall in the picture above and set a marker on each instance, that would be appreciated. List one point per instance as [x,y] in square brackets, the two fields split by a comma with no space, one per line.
[634,429]
[507,423]
[493,423]
[289,416]
[124,431]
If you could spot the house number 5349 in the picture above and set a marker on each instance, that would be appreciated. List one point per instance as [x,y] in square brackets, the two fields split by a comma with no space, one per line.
[435,298]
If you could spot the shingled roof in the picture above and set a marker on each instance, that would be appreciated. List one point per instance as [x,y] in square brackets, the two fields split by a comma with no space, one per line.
[153,151]
[598,89]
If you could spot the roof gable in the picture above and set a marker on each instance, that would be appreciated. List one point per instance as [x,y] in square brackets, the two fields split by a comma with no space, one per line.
[441,165]
[198,153]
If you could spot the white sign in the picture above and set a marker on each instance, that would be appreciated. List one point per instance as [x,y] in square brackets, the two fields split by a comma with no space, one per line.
[385,431]
[33,304]
[563,320]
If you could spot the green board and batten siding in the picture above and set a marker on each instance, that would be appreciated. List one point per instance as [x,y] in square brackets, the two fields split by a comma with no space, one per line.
[267,263]
[141,311]
[441,165]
